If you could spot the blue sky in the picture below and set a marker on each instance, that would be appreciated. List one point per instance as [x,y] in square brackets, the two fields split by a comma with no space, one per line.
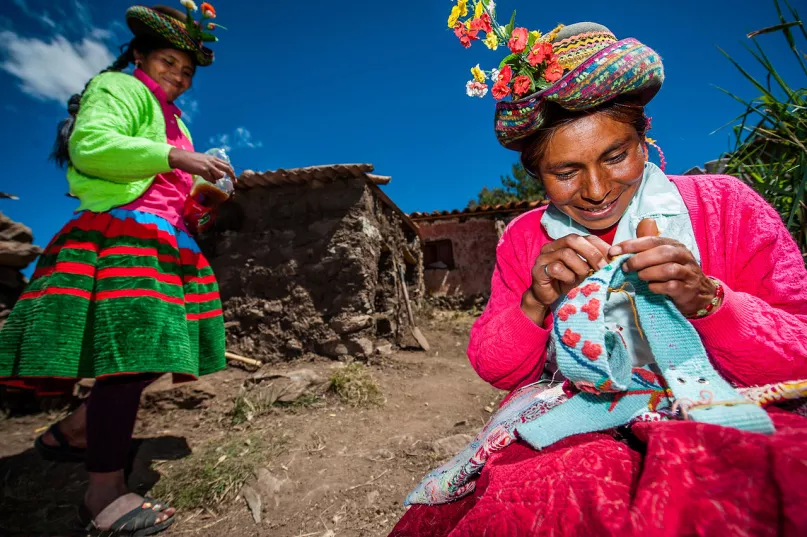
[306,83]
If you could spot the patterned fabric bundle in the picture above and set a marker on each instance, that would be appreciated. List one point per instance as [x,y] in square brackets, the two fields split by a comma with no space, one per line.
[115,293]
[597,68]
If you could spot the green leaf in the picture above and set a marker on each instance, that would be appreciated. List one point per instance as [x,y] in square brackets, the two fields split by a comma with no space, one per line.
[208,37]
[510,25]
[511,59]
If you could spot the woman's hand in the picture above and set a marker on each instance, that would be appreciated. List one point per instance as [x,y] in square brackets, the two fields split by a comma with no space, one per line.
[668,267]
[562,265]
[206,166]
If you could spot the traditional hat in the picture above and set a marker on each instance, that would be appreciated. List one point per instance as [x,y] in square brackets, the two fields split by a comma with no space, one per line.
[578,67]
[177,29]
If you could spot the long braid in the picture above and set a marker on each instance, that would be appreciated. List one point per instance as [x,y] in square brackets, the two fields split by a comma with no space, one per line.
[61,146]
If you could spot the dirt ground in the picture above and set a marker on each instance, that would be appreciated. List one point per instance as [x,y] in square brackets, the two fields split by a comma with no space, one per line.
[333,469]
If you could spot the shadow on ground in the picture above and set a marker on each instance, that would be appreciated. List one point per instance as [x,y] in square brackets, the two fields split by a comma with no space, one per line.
[40,498]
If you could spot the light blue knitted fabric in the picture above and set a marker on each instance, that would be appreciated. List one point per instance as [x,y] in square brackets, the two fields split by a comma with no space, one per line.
[595,359]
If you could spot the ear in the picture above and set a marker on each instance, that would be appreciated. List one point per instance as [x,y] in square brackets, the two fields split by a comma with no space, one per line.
[139,57]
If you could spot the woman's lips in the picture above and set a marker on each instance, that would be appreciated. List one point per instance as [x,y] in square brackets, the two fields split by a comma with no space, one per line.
[600,211]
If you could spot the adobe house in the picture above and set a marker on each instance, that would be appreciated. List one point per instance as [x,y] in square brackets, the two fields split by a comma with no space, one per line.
[459,247]
[309,260]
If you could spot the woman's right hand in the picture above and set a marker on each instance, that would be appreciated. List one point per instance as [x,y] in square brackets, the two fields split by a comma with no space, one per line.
[562,265]
[206,166]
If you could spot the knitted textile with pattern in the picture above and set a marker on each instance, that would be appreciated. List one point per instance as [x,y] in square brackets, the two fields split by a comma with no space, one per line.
[672,478]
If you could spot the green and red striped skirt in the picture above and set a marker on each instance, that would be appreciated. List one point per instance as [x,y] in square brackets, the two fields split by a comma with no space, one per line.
[114,293]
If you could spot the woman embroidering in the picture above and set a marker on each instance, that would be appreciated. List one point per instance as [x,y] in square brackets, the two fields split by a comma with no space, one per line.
[122,294]
[652,329]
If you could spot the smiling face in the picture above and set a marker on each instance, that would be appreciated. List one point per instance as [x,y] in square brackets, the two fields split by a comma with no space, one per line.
[172,69]
[591,167]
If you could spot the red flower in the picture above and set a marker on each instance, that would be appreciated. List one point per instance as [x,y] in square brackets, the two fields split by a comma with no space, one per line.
[540,52]
[465,35]
[506,74]
[518,40]
[553,72]
[500,90]
[205,7]
[485,22]
[521,84]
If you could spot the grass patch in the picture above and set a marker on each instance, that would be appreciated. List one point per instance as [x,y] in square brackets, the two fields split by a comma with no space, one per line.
[355,386]
[249,405]
[215,473]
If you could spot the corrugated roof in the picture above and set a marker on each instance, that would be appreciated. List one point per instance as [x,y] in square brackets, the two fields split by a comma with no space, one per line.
[296,176]
[480,210]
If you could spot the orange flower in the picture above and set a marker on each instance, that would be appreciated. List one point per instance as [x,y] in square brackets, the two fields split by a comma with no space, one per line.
[518,40]
[553,72]
[207,8]
[521,84]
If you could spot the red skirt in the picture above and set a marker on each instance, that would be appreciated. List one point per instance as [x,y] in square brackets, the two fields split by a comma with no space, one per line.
[674,479]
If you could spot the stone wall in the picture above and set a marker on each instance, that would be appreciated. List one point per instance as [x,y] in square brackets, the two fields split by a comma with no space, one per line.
[16,253]
[310,268]
[474,248]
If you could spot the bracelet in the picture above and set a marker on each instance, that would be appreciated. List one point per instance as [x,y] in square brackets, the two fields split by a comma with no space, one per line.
[714,302]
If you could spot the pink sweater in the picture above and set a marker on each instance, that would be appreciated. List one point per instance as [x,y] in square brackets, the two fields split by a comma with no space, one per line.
[757,336]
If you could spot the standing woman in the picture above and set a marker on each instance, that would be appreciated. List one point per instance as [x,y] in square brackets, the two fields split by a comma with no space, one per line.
[123,294]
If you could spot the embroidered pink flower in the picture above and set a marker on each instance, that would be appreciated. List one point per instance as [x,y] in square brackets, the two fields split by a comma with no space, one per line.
[592,351]
[573,293]
[540,52]
[592,307]
[553,72]
[570,339]
[565,311]
[590,288]
[518,40]
[521,85]
[500,90]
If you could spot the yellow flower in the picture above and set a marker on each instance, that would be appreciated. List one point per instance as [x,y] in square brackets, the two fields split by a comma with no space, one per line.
[479,76]
[478,10]
[463,5]
[536,34]
[455,14]
[491,41]
[650,140]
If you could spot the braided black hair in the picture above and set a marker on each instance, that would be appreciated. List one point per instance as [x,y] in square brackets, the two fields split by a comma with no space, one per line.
[60,152]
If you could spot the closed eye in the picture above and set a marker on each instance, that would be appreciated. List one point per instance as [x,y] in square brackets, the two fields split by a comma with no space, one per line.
[565,175]
[618,158]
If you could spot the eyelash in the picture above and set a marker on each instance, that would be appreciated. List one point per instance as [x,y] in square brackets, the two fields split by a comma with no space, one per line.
[619,158]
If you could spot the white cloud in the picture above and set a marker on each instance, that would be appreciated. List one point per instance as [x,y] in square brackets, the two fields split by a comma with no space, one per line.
[241,138]
[52,70]
[47,20]
[189,107]
[222,141]
[100,34]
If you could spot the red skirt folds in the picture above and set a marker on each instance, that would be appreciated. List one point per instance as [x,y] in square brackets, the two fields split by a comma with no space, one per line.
[674,479]
[114,293]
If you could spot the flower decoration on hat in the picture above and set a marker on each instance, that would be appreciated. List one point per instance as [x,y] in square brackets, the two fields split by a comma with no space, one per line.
[531,65]
[200,29]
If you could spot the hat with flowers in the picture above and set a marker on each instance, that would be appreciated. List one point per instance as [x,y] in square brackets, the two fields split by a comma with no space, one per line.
[578,67]
[180,30]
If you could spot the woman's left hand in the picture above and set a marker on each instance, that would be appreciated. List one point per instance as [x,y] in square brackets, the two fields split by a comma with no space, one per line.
[668,267]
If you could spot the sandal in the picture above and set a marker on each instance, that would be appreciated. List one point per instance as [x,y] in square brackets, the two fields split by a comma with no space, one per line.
[63,452]
[138,522]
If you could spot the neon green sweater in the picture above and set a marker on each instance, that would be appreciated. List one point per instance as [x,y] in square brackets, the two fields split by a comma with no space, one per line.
[118,143]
